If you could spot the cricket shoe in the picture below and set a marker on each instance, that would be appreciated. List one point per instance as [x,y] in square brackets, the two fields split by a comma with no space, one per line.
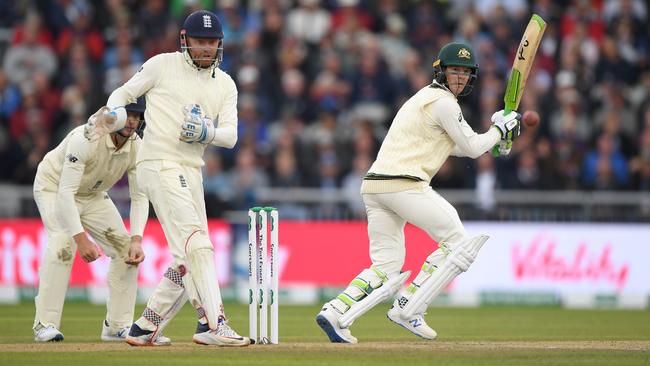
[415,325]
[142,337]
[328,320]
[47,334]
[108,336]
[223,336]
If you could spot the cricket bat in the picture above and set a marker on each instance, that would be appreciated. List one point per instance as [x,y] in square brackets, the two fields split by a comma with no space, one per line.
[521,66]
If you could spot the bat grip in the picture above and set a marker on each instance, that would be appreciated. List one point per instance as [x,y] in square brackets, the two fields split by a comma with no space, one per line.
[495,150]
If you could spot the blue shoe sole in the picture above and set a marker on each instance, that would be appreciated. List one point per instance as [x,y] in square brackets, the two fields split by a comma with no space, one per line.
[327,327]
[57,338]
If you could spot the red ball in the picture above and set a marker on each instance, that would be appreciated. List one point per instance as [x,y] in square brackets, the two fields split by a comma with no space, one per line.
[531,118]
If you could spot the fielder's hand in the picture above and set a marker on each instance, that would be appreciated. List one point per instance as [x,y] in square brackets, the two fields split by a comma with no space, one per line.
[100,124]
[195,127]
[87,250]
[136,255]
[509,125]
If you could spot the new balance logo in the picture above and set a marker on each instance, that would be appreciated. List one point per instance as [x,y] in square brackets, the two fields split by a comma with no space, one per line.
[415,322]
[207,21]
[72,158]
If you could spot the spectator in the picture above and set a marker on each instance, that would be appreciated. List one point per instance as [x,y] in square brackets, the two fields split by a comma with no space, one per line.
[605,168]
[308,22]
[28,57]
[351,185]
[216,185]
[10,98]
[245,179]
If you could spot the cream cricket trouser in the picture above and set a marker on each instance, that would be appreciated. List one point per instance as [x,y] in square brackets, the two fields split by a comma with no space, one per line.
[176,193]
[100,218]
[388,213]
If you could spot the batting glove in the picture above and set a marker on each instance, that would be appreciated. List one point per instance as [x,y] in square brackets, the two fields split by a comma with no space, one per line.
[502,148]
[196,128]
[509,125]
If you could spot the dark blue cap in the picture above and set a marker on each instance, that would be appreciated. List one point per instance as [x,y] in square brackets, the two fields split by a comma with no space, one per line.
[202,24]
[139,106]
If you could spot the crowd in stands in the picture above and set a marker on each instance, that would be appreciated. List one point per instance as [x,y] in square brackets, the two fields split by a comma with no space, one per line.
[320,80]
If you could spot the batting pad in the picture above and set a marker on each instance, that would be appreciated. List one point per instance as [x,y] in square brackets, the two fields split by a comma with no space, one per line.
[204,274]
[383,293]
[168,298]
[458,261]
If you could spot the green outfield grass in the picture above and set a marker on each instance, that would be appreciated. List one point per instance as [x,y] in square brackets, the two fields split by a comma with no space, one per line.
[483,336]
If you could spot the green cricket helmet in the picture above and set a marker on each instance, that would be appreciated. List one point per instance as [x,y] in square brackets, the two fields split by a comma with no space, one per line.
[456,54]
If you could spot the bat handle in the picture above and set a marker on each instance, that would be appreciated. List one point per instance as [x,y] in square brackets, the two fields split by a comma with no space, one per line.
[495,149]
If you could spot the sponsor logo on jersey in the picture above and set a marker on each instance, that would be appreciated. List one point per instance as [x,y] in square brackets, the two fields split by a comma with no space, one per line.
[97,184]
[181,178]
[71,158]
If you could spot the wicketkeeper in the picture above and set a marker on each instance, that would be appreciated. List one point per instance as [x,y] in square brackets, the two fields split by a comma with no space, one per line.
[191,104]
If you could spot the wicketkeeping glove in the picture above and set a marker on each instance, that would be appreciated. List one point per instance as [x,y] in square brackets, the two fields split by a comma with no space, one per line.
[509,125]
[100,124]
[196,128]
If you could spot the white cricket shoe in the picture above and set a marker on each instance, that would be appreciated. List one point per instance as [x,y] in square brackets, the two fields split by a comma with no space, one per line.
[47,334]
[223,336]
[328,320]
[142,337]
[108,336]
[415,325]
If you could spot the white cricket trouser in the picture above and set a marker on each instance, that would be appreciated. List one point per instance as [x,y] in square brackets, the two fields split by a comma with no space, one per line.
[388,213]
[100,218]
[176,193]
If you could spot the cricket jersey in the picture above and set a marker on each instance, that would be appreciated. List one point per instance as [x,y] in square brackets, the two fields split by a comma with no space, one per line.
[78,168]
[170,83]
[427,129]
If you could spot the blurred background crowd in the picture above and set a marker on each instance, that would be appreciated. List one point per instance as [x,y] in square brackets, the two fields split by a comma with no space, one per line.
[320,80]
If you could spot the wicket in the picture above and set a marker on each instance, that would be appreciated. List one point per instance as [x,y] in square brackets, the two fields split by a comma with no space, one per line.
[262,273]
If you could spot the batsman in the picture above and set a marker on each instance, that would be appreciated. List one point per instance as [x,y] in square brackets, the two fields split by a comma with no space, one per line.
[427,129]
[191,104]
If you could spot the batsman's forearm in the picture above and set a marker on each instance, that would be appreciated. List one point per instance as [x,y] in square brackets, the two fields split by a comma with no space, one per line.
[476,145]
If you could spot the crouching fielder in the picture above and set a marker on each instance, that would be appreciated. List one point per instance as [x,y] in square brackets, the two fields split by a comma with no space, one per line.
[70,192]
[191,104]
[426,130]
